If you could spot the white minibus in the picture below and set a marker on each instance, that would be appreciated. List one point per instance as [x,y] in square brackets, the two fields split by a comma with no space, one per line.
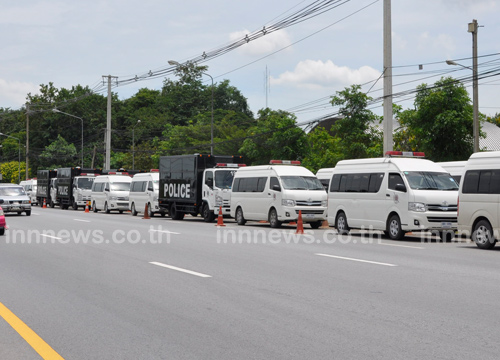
[144,190]
[395,195]
[276,193]
[30,187]
[455,168]
[479,199]
[111,192]
[324,176]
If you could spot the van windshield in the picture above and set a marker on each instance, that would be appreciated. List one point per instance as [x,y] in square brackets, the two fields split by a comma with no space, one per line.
[120,186]
[301,183]
[85,183]
[421,180]
[224,179]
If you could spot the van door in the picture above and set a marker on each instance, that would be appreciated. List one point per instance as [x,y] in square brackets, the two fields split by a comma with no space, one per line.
[274,196]
[396,198]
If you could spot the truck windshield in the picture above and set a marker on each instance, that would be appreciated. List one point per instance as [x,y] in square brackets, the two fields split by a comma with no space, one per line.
[421,180]
[85,183]
[120,186]
[11,191]
[224,179]
[301,183]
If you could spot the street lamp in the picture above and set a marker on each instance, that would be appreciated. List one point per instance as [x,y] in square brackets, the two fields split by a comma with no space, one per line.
[475,105]
[175,63]
[18,157]
[62,112]
[133,144]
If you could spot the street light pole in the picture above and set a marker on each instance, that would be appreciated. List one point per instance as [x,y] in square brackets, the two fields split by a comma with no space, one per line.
[175,63]
[475,102]
[18,157]
[133,144]
[62,112]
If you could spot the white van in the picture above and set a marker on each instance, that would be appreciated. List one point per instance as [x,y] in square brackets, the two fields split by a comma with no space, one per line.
[144,189]
[110,192]
[455,168]
[276,193]
[324,176]
[395,195]
[479,199]
[30,189]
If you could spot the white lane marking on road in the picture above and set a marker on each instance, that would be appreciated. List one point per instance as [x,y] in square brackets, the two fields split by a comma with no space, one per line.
[358,260]
[180,269]
[81,220]
[52,237]
[405,246]
[165,231]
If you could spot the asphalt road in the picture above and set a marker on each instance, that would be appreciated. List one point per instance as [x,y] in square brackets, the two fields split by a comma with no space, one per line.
[97,286]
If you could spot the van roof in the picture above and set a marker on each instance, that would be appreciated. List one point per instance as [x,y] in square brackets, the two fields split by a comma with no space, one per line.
[281,170]
[154,175]
[116,178]
[485,154]
[402,164]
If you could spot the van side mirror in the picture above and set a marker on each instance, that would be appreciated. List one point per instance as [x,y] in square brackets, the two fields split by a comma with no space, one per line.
[150,189]
[400,187]
[276,188]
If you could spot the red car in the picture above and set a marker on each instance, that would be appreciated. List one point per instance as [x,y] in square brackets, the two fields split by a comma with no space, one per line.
[3,224]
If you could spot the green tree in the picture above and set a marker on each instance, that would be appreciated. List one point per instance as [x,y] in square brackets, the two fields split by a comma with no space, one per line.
[59,154]
[10,171]
[441,123]
[355,130]
[324,150]
[275,136]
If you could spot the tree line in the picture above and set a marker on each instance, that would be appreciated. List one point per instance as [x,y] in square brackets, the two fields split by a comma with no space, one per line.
[177,120]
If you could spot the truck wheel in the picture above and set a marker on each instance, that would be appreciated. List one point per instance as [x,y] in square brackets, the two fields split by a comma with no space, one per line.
[174,214]
[341,224]
[483,235]
[106,209]
[94,207]
[240,219]
[51,204]
[133,210]
[74,205]
[394,228]
[273,219]
[208,215]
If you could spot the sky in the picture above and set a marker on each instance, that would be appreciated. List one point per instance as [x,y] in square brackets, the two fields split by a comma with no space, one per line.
[70,43]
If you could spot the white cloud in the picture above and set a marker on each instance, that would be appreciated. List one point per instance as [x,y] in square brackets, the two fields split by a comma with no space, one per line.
[442,43]
[263,45]
[318,74]
[14,93]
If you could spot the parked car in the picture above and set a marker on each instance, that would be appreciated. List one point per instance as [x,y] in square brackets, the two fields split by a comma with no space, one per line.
[15,199]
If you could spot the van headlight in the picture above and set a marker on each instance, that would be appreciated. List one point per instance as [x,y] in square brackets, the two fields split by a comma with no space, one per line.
[324,203]
[416,206]
[286,202]
[112,198]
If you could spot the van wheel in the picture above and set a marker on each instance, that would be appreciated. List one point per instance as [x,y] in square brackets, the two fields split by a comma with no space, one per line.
[240,219]
[2,231]
[273,219]
[208,215]
[483,236]
[150,211]
[28,212]
[341,224]
[133,210]
[316,224]
[394,228]
[446,235]
[94,207]
[106,209]
[174,214]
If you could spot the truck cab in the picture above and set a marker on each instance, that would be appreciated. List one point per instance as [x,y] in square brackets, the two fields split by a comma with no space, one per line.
[82,188]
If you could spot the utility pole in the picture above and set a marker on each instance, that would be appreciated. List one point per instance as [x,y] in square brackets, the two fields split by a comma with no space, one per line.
[475,96]
[27,140]
[388,143]
[107,158]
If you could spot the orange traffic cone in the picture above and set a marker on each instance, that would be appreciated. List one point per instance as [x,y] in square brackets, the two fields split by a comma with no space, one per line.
[325,225]
[300,225]
[220,221]
[87,207]
[44,204]
[146,212]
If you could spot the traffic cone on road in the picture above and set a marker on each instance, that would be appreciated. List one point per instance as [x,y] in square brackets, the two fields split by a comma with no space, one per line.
[87,207]
[220,221]
[300,224]
[146,212]
[44,203]
[325,225]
